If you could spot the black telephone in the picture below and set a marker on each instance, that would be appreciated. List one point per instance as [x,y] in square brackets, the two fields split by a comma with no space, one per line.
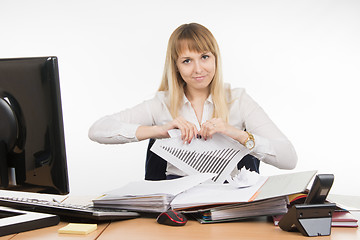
[313,218]
[320,189]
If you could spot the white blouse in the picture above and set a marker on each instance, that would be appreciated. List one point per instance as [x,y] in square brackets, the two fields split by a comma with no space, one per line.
[271,145]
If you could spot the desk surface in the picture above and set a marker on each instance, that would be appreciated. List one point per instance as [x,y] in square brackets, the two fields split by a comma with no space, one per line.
[147,228]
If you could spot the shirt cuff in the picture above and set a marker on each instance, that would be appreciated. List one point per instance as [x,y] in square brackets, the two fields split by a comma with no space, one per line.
[263,146]
[128,131]
[125,133]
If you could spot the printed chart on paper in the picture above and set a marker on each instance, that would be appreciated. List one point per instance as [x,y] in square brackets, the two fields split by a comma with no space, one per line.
[218,155]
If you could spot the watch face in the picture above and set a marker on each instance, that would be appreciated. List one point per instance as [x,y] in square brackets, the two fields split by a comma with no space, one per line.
[250,144]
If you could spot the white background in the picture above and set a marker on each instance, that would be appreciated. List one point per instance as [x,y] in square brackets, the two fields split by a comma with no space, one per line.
[300,60]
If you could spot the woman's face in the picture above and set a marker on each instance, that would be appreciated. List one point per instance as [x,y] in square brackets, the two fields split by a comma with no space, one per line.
[196,69]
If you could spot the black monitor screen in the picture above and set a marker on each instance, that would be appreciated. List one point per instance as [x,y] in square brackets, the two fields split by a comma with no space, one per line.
[32,146]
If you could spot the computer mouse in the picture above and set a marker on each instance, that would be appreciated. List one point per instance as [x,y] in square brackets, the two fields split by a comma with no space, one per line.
[172,218]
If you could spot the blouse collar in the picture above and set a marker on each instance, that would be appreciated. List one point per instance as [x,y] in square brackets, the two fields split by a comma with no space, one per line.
[208,100]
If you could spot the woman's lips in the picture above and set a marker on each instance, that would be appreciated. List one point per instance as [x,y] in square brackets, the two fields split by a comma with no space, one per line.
[200,78]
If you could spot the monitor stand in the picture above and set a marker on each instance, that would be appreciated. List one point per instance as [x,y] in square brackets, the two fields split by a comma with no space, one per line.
[14,221]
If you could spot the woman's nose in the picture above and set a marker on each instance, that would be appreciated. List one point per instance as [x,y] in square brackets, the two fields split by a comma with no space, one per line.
[198,67]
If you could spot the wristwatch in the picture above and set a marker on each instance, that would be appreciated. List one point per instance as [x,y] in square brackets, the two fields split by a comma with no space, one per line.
[250,142]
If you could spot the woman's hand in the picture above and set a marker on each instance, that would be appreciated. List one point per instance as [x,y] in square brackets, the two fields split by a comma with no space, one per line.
[188,129]
[212,126]
[218,125]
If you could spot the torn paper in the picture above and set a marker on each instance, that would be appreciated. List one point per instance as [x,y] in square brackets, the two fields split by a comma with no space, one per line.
[218,155]
[244,178]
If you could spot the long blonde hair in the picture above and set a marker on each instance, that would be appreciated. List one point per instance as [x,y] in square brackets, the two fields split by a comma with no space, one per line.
[196,38]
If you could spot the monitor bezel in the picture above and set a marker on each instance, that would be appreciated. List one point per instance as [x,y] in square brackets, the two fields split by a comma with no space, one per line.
[49,72]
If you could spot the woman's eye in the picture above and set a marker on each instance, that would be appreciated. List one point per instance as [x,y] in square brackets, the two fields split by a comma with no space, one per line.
[186,61]
[205,56]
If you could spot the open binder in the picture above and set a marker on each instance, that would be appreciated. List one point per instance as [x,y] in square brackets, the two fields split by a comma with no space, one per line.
[207,195]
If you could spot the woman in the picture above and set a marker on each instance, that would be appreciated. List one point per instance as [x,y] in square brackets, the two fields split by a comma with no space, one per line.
[193,98]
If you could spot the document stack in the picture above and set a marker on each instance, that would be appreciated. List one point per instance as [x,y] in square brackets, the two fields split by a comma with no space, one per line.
[207,201]
[149,196]
[140,203]
[232,212]
[210,203]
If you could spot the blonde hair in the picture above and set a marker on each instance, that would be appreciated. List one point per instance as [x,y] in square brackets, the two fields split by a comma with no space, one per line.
[198,38]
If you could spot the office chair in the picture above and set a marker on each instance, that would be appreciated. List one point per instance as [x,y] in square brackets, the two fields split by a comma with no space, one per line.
[155,166]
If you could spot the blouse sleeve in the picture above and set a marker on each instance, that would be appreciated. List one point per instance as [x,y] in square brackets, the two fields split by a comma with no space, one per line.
[271,145]
[121,127]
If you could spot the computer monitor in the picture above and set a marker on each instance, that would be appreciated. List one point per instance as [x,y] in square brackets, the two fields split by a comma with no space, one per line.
[32,146]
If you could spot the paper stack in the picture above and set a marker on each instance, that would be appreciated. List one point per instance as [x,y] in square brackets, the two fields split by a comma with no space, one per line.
[209,202]
[153,203]
[149,196]
[232,212]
